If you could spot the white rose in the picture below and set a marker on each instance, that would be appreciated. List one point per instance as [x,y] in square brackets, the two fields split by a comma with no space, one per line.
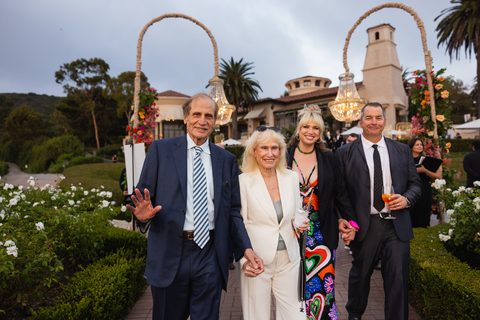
[13,201]
[123,209]
[20,187]
[450,212]
[443,237]
[458,204]
[53,198]
[105,203]
[108,194]
[12,251]
[450,232]
[71,202]
[2,215]
[39,226]
[31,183]
[476,183]
[9,243]
[74,188]
[461,189]
[1,199]
[455,193]
[85,193]
[35,204]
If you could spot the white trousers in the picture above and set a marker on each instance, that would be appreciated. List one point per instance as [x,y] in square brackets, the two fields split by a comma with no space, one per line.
[279,277]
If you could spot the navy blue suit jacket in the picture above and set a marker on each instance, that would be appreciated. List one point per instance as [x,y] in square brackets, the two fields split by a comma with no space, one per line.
[356,183]
[164,174]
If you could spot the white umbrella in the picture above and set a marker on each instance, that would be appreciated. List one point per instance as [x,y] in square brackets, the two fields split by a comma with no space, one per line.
[356,130]
[231,142]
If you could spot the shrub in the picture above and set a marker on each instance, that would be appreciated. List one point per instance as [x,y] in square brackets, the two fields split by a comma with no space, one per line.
[237,151]
[4,168]
[43,231]
[41,156]
[9,152]
[106,289]
[443,286]
[460,145]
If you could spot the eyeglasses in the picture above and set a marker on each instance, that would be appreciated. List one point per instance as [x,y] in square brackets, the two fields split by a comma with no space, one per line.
[263,128]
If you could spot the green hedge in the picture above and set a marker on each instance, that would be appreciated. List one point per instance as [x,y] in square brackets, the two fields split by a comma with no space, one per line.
[4,168]
[237,151]
[106,289]
[443,286]
[460,145]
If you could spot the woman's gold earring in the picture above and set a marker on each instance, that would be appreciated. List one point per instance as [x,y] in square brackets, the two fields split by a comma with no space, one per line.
[297,137]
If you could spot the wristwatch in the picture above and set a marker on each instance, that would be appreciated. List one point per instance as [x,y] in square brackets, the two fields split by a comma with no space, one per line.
[408,203]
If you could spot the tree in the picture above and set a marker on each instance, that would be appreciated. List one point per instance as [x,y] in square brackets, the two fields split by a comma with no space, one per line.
[87,75]
[24,124]
[460,27]
[122,90]
[6,106]
[241,91]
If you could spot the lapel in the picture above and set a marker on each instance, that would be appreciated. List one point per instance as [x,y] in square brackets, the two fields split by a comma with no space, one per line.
[285,195]
[392,156]
[359,150]
[217,169]
[259,189]
[179,154]
[320,171]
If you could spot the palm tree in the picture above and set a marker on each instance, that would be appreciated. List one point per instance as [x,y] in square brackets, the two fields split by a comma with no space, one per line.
[241,91]
[459,27]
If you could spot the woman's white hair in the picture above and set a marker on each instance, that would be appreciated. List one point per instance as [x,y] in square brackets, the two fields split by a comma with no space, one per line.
[249,163]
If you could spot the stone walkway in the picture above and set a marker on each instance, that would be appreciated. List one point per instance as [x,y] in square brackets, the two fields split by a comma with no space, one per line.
[19,178]
[231,308]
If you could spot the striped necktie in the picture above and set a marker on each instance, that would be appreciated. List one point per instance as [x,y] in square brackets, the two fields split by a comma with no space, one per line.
[200,209]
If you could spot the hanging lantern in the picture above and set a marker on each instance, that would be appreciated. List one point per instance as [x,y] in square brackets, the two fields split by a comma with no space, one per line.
[216,92]
[348,104]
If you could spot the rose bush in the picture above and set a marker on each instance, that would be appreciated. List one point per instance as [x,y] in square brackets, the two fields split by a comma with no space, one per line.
[45,231]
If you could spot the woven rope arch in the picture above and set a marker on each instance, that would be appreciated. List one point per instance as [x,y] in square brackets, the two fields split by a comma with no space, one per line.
[428,59]
[139,53]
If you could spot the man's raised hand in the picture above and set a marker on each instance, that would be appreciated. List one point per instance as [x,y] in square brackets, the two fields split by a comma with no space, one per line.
[143,209]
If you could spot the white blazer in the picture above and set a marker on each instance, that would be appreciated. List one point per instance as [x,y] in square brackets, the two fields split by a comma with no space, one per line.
[260,217]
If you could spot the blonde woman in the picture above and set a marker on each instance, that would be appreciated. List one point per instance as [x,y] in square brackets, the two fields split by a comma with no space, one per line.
[270,197]
[316,169]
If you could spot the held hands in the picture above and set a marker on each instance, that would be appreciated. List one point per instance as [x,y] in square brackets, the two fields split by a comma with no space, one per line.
[254,265]
[346,231]
[397,202]
[143,209]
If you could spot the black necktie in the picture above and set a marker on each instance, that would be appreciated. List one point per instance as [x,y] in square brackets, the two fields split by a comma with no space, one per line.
[377,180]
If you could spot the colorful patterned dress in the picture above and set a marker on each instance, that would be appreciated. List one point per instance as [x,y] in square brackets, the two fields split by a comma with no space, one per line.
[320,264]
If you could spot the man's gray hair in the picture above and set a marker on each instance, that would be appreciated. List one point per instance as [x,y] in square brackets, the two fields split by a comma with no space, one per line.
[188,104]
[372,104]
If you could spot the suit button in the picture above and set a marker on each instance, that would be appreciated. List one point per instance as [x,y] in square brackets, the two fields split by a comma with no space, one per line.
[184,212]
[180,235]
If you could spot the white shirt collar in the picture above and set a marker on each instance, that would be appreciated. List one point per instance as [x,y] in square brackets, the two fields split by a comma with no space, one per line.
[205,147]
[368,144]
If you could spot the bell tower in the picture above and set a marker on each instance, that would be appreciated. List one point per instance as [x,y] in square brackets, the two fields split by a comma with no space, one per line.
[382,74]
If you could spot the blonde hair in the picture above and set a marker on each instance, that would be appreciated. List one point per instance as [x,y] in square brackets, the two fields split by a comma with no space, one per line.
[310,113]
[249,163]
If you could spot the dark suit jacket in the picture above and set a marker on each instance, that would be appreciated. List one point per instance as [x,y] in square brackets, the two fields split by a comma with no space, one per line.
[328,193]
[356,183]
[164,174]
[471,165]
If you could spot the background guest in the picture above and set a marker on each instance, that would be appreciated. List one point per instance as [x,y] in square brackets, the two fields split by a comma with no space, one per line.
[471,164]
[420,212]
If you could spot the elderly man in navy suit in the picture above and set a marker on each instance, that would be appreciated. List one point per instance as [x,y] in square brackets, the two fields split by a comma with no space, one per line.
[367,164]
[191,203]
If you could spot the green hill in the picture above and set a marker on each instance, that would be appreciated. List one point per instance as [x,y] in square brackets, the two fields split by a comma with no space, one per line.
[43,103]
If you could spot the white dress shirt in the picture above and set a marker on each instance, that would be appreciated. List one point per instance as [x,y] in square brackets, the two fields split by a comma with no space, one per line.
[385,160]
[207,164]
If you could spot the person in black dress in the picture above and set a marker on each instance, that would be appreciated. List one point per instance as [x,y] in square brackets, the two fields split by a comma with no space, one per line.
[420,212]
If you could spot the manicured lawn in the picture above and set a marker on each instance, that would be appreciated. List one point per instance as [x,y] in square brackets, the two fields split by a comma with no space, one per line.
[96,175]
[457,164]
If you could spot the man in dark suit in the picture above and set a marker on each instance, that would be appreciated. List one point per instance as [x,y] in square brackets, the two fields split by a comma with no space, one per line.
[339,140]
[365,165]
[191,202]
[471,164]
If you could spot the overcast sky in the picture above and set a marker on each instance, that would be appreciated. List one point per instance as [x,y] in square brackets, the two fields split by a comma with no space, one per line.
[284,39]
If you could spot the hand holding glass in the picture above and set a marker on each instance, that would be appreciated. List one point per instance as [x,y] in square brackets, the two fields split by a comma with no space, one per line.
[387,192]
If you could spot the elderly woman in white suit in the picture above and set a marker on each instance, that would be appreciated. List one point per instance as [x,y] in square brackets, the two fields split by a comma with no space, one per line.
[270,198]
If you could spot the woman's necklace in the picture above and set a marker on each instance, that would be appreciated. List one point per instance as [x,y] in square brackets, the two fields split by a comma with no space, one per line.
[298,147]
